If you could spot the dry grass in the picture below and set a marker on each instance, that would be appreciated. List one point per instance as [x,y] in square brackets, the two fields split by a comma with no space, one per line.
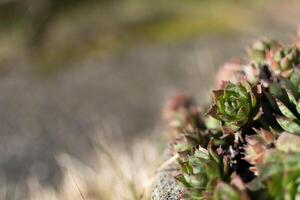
[118,175]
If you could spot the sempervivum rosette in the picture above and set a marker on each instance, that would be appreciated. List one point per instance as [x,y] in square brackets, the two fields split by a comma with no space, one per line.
[249,145]
[261,50]
[235,105]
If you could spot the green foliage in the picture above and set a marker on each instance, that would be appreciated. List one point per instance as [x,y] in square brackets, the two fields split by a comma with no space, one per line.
[235,105]
[249,145]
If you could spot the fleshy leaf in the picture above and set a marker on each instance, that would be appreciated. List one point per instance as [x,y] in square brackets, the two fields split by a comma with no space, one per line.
[225,191]
[288,142]
[288,125]
[285,110]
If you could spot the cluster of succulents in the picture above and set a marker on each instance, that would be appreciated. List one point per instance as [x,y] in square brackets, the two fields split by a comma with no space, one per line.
[246,145]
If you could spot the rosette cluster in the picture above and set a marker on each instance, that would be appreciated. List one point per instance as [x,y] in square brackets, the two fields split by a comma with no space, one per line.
[246,144]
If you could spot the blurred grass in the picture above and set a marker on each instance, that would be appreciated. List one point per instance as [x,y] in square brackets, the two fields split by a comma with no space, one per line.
[56,34]
[118,175]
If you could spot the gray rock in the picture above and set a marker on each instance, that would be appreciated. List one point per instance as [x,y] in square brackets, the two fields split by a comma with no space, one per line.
[165,186]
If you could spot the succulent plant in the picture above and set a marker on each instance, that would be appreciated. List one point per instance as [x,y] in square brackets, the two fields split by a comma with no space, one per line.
[256,147]
[272,59]
[283,60]
[261,50]
[280,168]
[286,94]
[235,105]
[248,146]
[200,174]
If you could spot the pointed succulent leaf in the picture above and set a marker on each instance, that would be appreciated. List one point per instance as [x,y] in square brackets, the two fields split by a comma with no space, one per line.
[277,91]
[212,123]
[288,142]
[180,178]
[267,137]
[285,110]
[225,165]
[201,153]
[291,96]
[288,125]
[213,111]
[295,78]
[295,83]
[254,153]
[212,153]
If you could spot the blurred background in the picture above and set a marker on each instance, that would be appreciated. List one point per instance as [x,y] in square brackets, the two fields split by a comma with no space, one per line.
[82,84]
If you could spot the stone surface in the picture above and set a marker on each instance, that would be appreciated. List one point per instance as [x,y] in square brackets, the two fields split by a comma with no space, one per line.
[165,186]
